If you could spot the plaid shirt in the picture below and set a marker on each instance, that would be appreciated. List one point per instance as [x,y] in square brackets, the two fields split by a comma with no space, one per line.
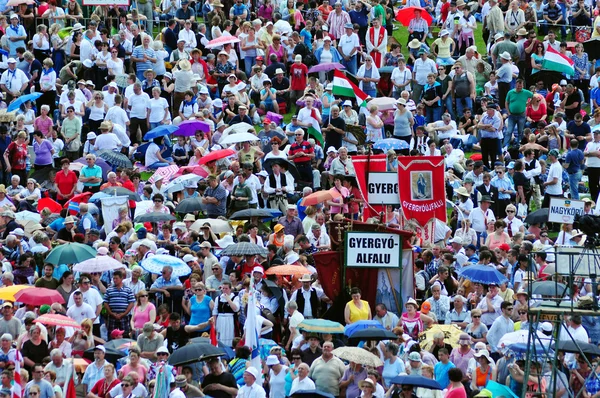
[418,25]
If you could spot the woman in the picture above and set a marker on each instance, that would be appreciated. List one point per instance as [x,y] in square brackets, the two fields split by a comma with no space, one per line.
[413,320]
[58,45]
[82,339]
[292,373]
[74,55]
[238,365]
[356,309]
[537,57]
[241,194]
[368,77]
[154,158]
[276,49]
[391,58]
[159,109]
[35,349]
[55,14]
[44,123]
[134,365]
[15,156]
[536,111]
[476,329]
[65,287]
[265,11]
[98,109]
[249,154]
[34,391]
[442,49]
[60,343]
[392,365]
[276,377]
[47,86]
[103,386]
[143,312]
[199,307]
[374,125]
[484,372]
[403,121]
[339,205]
[43,150]
[326,53]
[226,305]
[50,377]
[250,46]
[482,76]
[71,130]
[161,55]
[342,165]
[498,237]
[581,78]
[126,387]
[115,64]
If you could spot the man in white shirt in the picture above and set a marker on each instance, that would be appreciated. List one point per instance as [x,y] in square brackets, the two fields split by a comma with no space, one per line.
[139,106]
[553,184]
[109,95]
[347,46]
[188,35]
[80,310]
[277,186]
[490,306]
[302,382]
[116,114]
[87,48]
[251,389]
[444,129]
[294,318]
[92,297]
[481,216]
[13,81]
[307,297]
[592,162]
[107,140]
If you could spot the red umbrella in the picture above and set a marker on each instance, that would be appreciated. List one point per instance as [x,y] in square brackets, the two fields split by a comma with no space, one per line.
[81,198]
[407,13]
[216,155]
[51,204]
[58,320]
[220,41]
[198,170]
[39,296]
[320,196]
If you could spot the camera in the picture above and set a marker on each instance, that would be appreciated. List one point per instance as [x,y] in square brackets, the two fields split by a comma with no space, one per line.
[348,198]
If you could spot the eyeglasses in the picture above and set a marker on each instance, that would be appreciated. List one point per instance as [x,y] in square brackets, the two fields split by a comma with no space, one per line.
[158,201]
[85,282]
[160,354]
[510,211]
[33,393]
[509,308]
[475,316]
[143,295]
[70,111]
[294,358]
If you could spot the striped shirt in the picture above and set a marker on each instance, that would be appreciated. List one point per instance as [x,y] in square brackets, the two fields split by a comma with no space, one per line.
[139,52]
[119,298]
[418,25]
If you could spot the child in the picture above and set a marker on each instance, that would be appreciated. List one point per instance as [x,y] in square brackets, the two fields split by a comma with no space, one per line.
[419,117]
[298,18]
[181,151]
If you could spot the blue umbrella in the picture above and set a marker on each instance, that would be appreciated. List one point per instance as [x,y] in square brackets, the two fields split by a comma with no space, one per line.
[499,390]
[482,274]
[390,143]
[416,381]
[16,104]
[160,131]
[155,264]
[349,330]
[536,351]
[98,196]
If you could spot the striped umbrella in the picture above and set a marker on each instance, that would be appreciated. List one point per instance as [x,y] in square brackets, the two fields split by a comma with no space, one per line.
[58,320]
[321,326]
[165,172]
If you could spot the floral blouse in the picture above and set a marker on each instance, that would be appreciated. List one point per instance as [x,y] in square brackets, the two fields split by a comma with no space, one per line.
[581,62]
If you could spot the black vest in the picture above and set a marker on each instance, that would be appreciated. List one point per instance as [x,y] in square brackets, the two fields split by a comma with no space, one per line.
[314,302]
[273,183]
[531,166]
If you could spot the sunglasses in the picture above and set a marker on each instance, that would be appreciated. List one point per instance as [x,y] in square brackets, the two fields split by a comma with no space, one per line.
[161,354]
[296,358]
[143,295]
[475,316]
[522,312]
[158,201]
[125,385]
[510,211]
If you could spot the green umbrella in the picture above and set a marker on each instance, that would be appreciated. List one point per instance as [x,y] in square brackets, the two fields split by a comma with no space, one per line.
[71,253]
[321,326]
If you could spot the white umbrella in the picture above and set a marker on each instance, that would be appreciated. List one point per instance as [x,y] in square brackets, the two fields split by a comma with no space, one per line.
[182,182]
[520,336]
[237,128]
[238,137]
[28,215]
[383,103]
[217,226]
[357,355]
[98,264]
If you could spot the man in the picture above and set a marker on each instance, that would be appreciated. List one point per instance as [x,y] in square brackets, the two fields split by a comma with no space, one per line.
[463,89]
[217,383]
[294,319]
[469,61]
[215,198]
[189,390]
[291,223]
[440,305]
[505,189]
[91,175]
[47,281]
[302,382]
[553,18]
[337,21]
[149,342]
[213,282]
[46,390]
[166,284]
[327,370]
[252,387]
[493,21]
[278,186]
[241,117]
[281,85]
[376,41]
[176,335]
[313,351]
[59,367]
[516,104]
[334,128]
[459,315]
[571,102]
[573,164]
[317,238]
[87,221]
[9,324]
[180,52]
[422,68]
[118,303]
[308,298]
[188,36]
[13,81]
[388,319]
[490,305]
[301,152]
[80,310]
[553,184]
[501,326]
[348,47]
[592,155]
[209,259]
[138,104]
[95,371]
[91,297]
[442,130]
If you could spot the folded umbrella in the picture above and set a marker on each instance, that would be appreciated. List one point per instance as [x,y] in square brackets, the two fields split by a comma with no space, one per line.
[416,381]
[188,128]
[58,320]
[321,326]
[358,355]
[70,253]
[98,264]
[192,353]
[160,131]
[120,191]
[320,196]
[156,263]
[326,67]
[114,158]
[16,104]
[154,217]
[39,296]
[189,205]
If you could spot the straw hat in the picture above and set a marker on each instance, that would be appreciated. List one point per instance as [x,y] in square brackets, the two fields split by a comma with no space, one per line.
[185,65]
[414,44]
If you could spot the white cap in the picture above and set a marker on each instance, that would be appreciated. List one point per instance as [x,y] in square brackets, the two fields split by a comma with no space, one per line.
[91,136]
[18,232]
[113,84]
[11,61]
[332,149]
[456,239]
[253,371]
[188,257]
[258,269]
[563,82]
[101,348]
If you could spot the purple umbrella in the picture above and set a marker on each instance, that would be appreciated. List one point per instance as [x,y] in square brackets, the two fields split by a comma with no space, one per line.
[189,128]
[106,168]
[326,67]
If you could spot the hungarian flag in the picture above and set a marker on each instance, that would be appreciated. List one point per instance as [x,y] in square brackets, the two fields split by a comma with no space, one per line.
[557,62]
[344,87]
[315,127]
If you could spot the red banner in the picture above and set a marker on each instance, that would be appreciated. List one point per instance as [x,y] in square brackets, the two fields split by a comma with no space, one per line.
[363,165]
[422,189]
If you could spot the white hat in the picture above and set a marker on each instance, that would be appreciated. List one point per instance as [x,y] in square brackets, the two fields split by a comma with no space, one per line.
[11,61]
[225,242]
[91,136]
[546,327]
[483,353]
[278,71]
[77,26]
[162,350]
[444,32]
[203,90]
[188,257]
[272,360]
[332,149]
[88,63]
[498,36]
[258,269]
[14,16]
[329,87]
[113,84]
[101,348]
[563,82]
[162,250]
[262,173]
[505,55]
[325,28]
[347,103]
[456,239]
[292,258]
[327,38]
[18,232]
[253,371]
[298,58]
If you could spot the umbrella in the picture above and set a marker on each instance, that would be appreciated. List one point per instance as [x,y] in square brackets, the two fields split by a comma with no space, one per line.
[192,353]
[390,143]
[106,168]
[7,293]
[98,264]
[238,137]
[592,48]
[51,204]
[119,344]
[70,253]
[386,69]
[244,249]
[535,350]
[520,336]
[197,170]
[349,330]
[16,104]
[14,3]
[115,158]
[499,390]
[216,155]
[217,226]
[383,103]
[482,274]
[416,381]
[537,217]
[451,333]
[276,292]
[189,205]
[320,196]
[312,394]
[98,196]
[549,288]
[160,131]
[165,172]
[123,81]
[221,41]
[405,15]
[58,320]
[321,326]
[111,355]
[286,164]
[80,198]
[326,67]
[120,191]
[247,214]
[39,296]
[42,174]
[182,182]
[229,353]
[188,128]
[358,355]
[576,347]
[375,334]
[287,270]
[28,215]
[237,129]
[154,217]
[156,263]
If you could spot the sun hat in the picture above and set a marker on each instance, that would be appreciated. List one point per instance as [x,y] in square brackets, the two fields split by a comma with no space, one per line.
[91,136]
[272,360]
[366,383]
[462,191]
[305,278]
[411,301]
[253,371]
[505,55]
[414,44]
[464,339]
[414,356]
[347,103]
[483,353]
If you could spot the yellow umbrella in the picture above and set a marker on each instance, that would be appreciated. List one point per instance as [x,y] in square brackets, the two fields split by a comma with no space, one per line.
[451,335]
[7,293]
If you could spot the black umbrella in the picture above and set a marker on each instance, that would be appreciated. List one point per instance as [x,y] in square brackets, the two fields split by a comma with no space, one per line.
[592,48]
[119,344]
[154,217]
[247,214]
[537,217]
[286,164]
[189,205]
[372,334]
[571,346]
[416,381]
[111,355]
[120,191]
[549,288]
[192,353]
[276,292]
[114,158]
[229,353]
[312,394]
[42,175]
[244,249]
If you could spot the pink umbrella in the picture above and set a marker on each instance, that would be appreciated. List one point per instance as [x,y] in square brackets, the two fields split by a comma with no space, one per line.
[58,320]
[216,155]
[198,170]
[165,172]
[221,41]
[14,3]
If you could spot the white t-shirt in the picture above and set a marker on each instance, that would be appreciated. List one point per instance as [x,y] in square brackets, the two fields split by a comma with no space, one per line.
[92,297]
[555,172]
[108,141]
[157,109]
[117,116]
[115,66]
[401,77]
[80,313]
[348,43]
[139,104]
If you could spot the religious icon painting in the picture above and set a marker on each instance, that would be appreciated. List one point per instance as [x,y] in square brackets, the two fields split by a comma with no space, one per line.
[421,185]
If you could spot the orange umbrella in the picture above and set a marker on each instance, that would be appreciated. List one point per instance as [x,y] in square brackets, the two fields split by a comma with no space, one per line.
[285,270]
[320,196]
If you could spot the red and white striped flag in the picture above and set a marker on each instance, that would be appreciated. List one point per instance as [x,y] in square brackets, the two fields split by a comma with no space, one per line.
[15,390]
[69,387]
